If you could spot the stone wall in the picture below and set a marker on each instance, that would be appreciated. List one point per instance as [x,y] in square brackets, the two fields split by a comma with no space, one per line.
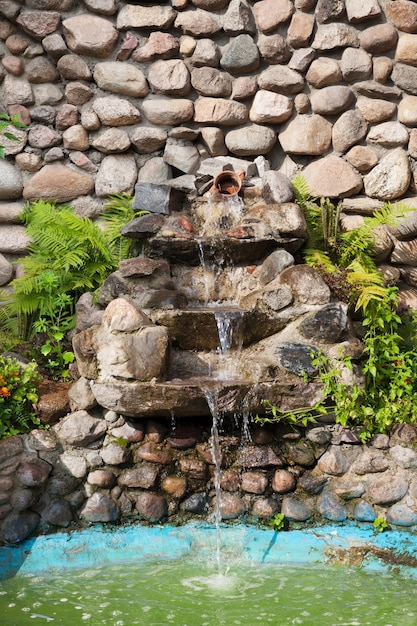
[114,93]
[88,469]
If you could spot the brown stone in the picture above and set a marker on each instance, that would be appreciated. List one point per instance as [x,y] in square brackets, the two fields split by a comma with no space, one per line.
[53,402]
[58,183]
[174,486]
[39,23]
[153,453]
[283,481]
[403,14]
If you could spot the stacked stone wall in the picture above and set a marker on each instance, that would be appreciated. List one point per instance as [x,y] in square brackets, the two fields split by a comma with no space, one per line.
[89,469]
[114,93]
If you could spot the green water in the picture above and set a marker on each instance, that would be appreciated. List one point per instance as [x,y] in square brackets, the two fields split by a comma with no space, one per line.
[191,593]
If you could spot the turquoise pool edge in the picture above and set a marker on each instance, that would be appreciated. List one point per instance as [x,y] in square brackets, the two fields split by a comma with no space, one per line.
[351,545]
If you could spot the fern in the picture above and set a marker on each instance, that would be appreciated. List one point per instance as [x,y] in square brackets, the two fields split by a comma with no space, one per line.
[118,212]
[69,254]
[348,254]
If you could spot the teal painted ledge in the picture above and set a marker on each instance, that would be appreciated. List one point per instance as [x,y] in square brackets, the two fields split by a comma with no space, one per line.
[349,544]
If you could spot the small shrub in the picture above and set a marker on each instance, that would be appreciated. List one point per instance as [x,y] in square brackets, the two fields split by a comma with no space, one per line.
[18,394]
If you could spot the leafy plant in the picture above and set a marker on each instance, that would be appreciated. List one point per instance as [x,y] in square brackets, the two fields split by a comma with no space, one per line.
[18,394]
[381,524]
[345,260]
[68,256]
[278,521]
[297,417]
[119,211]
[5,122]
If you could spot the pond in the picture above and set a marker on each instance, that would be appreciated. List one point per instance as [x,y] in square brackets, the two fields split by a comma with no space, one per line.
[162,576]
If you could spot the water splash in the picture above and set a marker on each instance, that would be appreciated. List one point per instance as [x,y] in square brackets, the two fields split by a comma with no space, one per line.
[229,326]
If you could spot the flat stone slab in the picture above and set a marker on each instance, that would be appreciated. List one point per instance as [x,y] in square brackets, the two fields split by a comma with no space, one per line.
[187,398]
[232,250]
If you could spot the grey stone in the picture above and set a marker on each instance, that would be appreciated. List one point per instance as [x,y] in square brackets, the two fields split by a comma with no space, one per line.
[196,503]
[157,198]
[80,428]
[19,526]
[250,140]
[294,510]
[277,188]
[117,174]
[364,512]
[390,178]
[241,56]
[388,488]
[331,507]
[183,155]
[58,513]
[99,508]
[6,270]
[401,515]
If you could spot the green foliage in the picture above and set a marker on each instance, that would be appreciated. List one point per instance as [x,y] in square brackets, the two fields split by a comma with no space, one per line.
[278,521]
[345,260]
[5,122]
[68,255]
[18,394]
[381,524]
[297,417]
[119,211]
[389,366]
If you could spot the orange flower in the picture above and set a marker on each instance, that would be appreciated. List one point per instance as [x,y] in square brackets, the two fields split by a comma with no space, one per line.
[4,392]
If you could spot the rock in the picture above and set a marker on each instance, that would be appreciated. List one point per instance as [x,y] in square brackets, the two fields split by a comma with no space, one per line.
[148,139]
[254,482]
[19,526]
[11,182]
[270,108]
[220,111]
[375,111]
[349,129]
[401,515]
[259,456]
[358,11]
[281,79]
[59,183]
[53,402]
[151,507]
[197,503]
[306,134]
[331,507]
[364,512]
[6,271]
[356,64]
[209,81]
[390,178]
[81,396]
[335,461]
[38,24]
[404,457]
[387,489]
[402,14]
[114,111]
[198,23]
[157,198]
[388,134]
[250,140]
[112,141]
[73,67]
[300,30]
[154,17]
[328,11]
[14,239]
[269,14]
[336,35]
[169,78]
[34,473]
[123,78]
[323,72]
[158,46]
[183,155]
[58,513]
[274,49]
[80,428]
[283,481]
[241,56]
[404,76]
[331,100]
[231,506]
[277,188]
[99,508]
[407,112]
[90,35]
[167,111]
[294,510]
[328,325]
[117,174]
[332,177]
[265,508]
